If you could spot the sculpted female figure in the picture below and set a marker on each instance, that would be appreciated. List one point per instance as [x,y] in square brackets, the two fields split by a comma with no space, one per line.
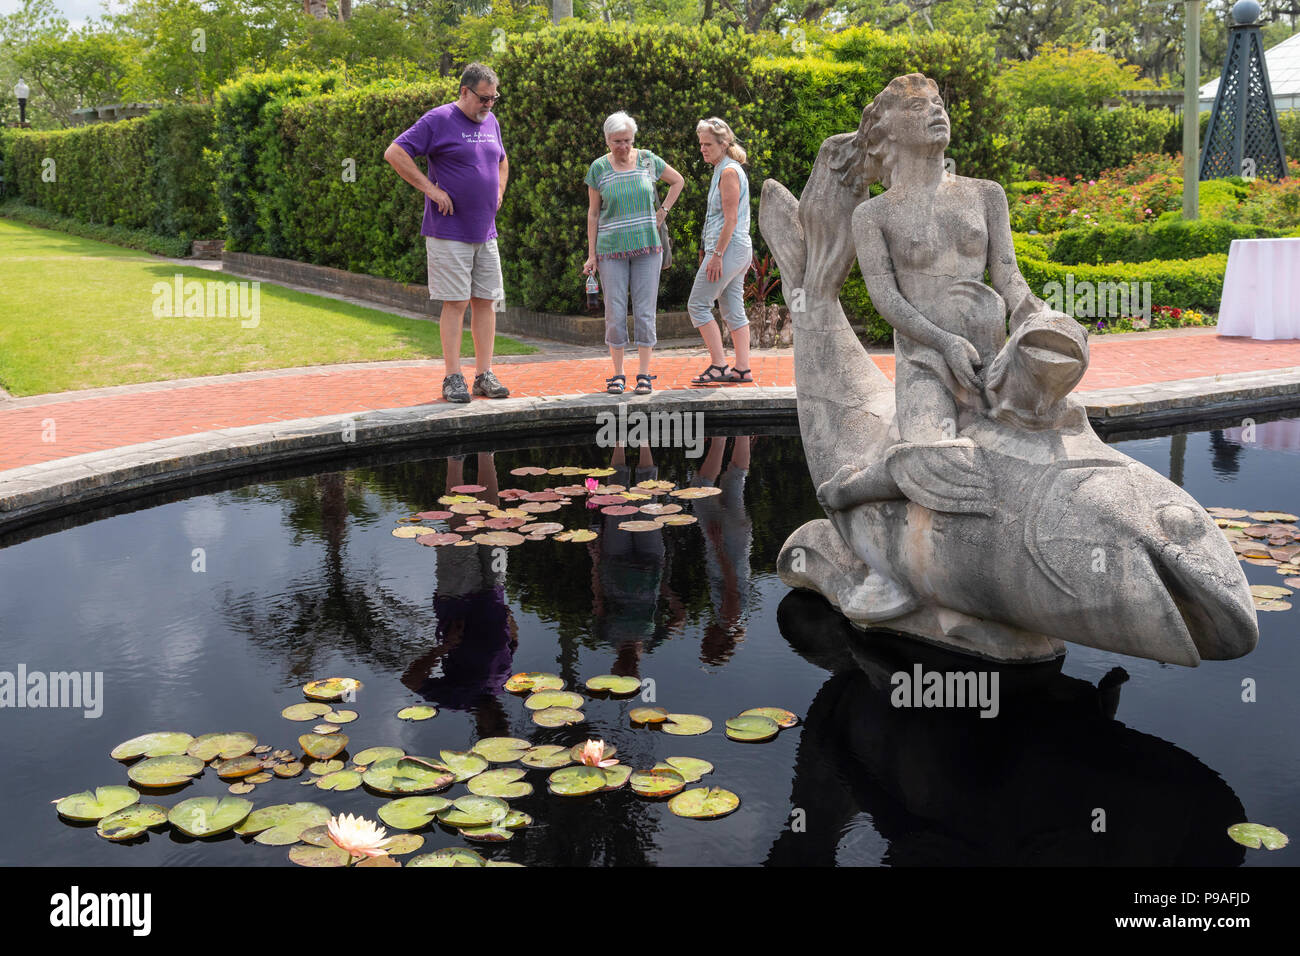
[923,246]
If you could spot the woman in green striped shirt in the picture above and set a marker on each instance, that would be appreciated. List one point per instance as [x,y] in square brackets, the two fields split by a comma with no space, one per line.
[623,242]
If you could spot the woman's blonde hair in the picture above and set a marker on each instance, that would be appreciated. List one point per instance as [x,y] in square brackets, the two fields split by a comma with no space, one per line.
[724,135]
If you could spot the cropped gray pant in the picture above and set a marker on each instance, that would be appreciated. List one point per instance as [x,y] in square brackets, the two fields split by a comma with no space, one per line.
[638,277]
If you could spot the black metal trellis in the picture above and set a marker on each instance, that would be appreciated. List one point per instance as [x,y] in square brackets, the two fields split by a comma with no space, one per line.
[1243,138]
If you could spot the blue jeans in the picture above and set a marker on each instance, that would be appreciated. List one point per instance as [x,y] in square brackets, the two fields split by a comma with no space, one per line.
[637,276]
[728,290]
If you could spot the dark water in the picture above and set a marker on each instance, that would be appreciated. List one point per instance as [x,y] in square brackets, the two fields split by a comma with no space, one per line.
[304,580]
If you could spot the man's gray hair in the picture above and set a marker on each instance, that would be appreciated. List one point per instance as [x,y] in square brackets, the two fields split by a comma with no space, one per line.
[477,73]
[617,122]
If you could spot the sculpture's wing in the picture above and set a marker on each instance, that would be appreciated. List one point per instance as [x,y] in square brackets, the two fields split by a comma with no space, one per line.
[945,476]
[778,222]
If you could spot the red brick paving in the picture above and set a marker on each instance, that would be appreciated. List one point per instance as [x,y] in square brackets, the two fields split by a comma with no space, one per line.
[105,422]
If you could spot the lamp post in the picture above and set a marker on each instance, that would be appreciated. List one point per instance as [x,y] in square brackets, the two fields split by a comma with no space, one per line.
[1191,106]
[21,91]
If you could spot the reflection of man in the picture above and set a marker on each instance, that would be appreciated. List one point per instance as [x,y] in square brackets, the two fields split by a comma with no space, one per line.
[463,191]
[476,633]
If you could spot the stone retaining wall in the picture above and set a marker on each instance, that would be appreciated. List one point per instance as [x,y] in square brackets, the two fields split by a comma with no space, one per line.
[571,329]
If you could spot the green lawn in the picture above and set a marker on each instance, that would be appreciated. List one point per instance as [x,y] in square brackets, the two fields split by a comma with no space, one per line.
[75,313]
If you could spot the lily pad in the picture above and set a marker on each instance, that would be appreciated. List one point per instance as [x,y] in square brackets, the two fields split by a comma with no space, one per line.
[648,715]
[531,681]
[781,716]
[433,515]
[656,783]
[241,788]
[704,803]
[752,729]
[340,780]
[305,711]
[1270,591]
[504,783]
[407,775]
[208,816]
[1266,604]
[474,811]
[400,844]
[641,525]
[676,520]
[696,492]
[687,725]
[616,776]
[291,828]
[371,754]
[439,539]
[464,765]
[516,820]
[316,836]
[333,688]
[691,768]
[320,856]
[554,698]
[325,729]
[578,536]
[225,746]
[259,778]
[527,470]
[408,531]
[1256,835]
[166,771]
[614,685]
[501,749]
[322,746]
[489,834]
[1273,516]
[238,767]
[96,804]
[374,862]
[547,757]
[558,717]
[468,489]
[417,712]
[341,717]
[280,814]
[450,856]
[161,744]
[576,781]
[131,821]
[322,767]
[411,813]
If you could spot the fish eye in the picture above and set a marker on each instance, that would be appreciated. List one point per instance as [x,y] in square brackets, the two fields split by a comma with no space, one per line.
[1179,522]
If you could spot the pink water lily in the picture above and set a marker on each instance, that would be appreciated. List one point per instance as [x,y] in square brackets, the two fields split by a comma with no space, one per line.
[592,484]
[593,754]
[359,836]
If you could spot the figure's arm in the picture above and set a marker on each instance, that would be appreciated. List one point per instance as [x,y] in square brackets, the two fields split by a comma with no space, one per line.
[675,182]
[503,170]
[401,161]
[882,285]
[1004,274]
[593,225]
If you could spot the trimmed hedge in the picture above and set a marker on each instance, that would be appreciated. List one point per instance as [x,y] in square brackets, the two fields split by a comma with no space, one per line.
[150,173]
[1085,142]
[1126,242]
[1189,284]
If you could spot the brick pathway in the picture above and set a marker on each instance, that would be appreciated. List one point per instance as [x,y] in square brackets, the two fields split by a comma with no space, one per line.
[127,416]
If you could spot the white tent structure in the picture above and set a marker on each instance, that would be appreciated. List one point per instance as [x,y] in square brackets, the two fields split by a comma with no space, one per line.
[1283,63]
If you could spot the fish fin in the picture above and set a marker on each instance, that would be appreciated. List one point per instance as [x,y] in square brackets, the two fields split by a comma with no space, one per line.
[778,223]
[816,558]
[944,476]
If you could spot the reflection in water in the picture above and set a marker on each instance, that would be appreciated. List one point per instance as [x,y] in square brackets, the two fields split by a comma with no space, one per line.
[947,787]
[728,535]
[1224,455]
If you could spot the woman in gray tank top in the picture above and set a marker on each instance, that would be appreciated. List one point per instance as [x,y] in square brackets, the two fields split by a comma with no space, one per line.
[728,252]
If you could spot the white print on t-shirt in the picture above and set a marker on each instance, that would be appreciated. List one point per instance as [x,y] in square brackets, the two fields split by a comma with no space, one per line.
[479,136]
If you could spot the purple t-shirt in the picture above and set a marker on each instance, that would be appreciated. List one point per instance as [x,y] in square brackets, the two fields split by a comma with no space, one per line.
[464,160]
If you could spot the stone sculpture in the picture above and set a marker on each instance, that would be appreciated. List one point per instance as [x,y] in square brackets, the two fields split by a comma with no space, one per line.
[971,504]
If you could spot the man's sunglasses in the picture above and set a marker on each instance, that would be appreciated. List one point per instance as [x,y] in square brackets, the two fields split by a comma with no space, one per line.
[487,100]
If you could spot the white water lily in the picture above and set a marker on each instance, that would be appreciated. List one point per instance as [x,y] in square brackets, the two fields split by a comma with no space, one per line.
[359,836]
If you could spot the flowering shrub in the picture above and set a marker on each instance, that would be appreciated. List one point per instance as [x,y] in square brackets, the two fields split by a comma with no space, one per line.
[1162,317]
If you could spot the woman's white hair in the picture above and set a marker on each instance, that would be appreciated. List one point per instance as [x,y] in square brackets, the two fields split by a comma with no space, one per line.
[617,122]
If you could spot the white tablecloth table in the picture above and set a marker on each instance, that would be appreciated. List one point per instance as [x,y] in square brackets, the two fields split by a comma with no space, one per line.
[1261,289]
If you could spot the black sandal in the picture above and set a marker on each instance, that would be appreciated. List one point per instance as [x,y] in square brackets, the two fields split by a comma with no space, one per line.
[643,384]
[710,377]
[737,377]
[616,384]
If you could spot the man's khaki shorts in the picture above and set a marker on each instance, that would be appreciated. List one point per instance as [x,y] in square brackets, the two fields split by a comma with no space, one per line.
[464,270]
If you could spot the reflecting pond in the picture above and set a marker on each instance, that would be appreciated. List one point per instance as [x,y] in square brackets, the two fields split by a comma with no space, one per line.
[210,613]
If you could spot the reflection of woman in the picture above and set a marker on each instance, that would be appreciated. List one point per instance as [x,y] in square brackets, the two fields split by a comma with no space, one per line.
[728,251]
[627,569]
[728,534]
[928,230]
[476,632]
[623,242]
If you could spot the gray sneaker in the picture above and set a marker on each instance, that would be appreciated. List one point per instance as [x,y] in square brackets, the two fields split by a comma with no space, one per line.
[453,388]
[488,386]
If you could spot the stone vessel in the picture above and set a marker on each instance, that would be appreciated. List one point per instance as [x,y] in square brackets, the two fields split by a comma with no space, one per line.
[972,505]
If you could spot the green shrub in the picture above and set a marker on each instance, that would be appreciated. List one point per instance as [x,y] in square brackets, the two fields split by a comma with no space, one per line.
[182,178]
[248,154]
[1185,284]
[1083,142]
[861,313]
[170,246]
[1175,239]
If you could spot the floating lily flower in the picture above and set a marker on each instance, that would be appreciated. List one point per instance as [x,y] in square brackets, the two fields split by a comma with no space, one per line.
[359,836]
[592,484]
[593,754]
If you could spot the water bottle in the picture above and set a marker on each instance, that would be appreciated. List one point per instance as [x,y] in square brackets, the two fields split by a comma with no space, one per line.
[593,294]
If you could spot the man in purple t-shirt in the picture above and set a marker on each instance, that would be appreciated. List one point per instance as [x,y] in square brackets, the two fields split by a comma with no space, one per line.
[466,181]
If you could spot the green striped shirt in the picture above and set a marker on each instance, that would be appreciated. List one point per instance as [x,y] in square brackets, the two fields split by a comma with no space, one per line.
[627,206]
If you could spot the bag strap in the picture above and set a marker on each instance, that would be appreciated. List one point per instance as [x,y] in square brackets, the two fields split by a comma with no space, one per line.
[644,162]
